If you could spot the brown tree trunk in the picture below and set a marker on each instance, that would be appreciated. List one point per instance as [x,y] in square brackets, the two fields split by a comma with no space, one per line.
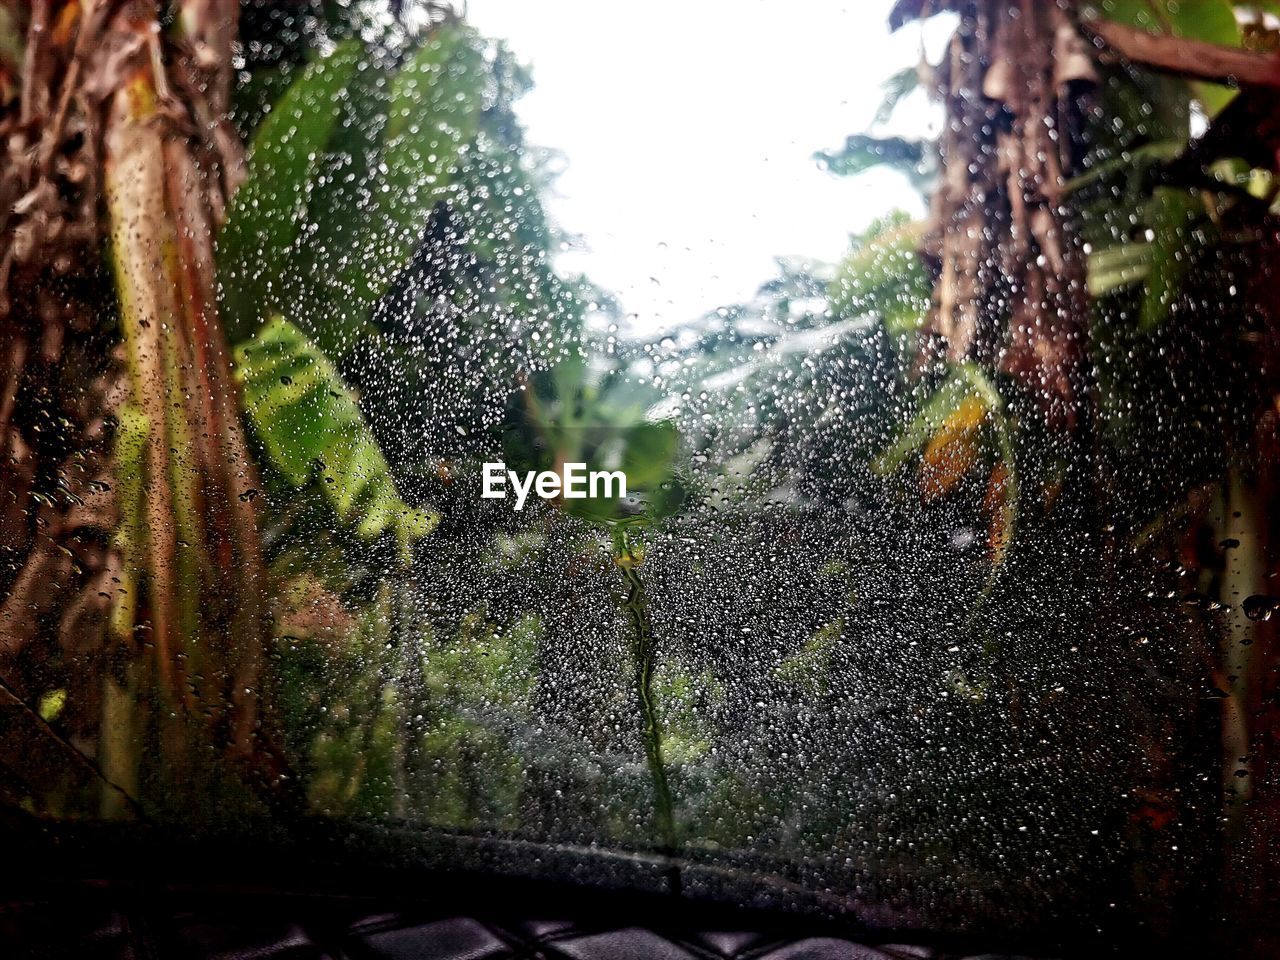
[1010,290]
[1010,296]
[119,134]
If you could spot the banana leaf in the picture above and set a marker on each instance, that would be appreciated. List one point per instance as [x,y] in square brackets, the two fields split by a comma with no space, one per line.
[312,428]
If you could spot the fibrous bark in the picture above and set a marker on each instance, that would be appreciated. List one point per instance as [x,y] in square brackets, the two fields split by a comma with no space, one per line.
[119,414]
[1010,289]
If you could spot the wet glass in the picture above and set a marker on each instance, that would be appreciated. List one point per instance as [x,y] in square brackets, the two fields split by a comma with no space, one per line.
[924,577]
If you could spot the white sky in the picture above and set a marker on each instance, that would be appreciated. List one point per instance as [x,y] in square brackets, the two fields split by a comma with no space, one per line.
[689,130]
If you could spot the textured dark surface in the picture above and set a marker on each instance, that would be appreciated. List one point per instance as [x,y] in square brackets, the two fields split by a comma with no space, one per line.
[353,891]
[267,927]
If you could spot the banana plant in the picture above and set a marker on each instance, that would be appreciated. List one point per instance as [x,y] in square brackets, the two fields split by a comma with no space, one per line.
[343,179]
[963,427]
[1160,207]
[574,414]
[1144,241]
[236,291]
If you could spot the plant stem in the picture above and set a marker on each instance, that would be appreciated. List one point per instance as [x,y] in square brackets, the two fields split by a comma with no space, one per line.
[636,606]
[193,551]
[120,746]
[1242,577]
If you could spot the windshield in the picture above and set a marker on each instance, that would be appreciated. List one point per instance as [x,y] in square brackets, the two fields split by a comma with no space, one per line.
[826,453]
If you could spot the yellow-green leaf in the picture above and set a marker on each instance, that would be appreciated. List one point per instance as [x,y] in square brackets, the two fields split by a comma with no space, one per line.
[310,426]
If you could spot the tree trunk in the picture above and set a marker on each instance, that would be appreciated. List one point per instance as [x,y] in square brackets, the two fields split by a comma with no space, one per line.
[121,136]
[1010,295]
[1010,290]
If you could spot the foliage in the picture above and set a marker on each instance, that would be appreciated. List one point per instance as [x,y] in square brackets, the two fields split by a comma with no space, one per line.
[383,178]
[269,210]
[802,397]
[571,416]
[480,308]
[349,178]
[1213,21]
[412,168]
[311,427]
[862,152]
[884,275]
[769,643]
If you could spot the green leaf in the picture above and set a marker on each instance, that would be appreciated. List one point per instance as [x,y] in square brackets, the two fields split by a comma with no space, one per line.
[966,380]
[337,218]
[1132,164]
[270,207]
[309,424]
[861,153]
[885,276]
[1160,262]
[923,426]
[682,702]
[51,704]
[809,668]
[1114,268]
[1170,215]
[375,213]
[897,88]
[436,101]
[647,459]
[11,40]
[647,453]
[1210,21]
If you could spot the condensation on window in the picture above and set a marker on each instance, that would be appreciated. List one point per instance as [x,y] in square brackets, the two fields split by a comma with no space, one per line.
[923,575]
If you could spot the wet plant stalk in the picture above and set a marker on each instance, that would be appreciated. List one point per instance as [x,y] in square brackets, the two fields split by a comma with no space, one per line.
[189,535]
[643,656]
[1242,577]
